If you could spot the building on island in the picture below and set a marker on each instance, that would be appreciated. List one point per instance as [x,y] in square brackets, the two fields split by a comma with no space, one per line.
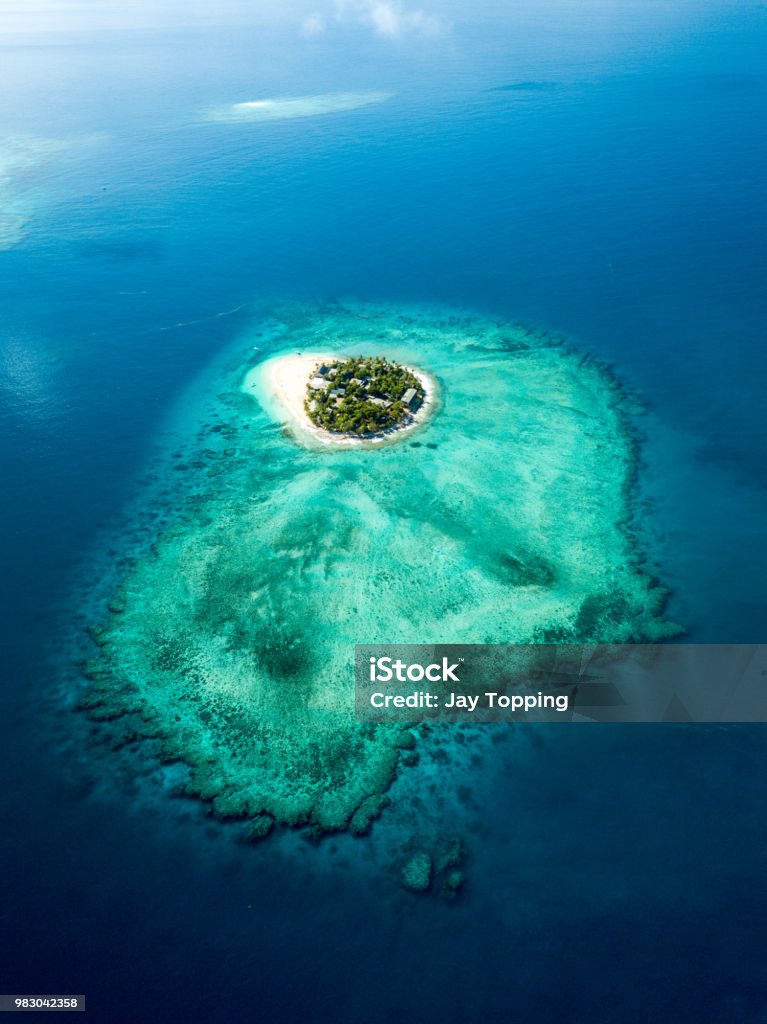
[410,399]
[319,384]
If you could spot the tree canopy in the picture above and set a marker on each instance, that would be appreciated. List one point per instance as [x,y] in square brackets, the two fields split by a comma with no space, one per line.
[364,395]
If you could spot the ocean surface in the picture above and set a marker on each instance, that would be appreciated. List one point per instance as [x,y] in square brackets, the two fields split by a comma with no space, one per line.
[597,176]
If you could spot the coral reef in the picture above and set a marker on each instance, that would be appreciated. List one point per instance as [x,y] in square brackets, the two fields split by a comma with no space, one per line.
[416,873]
[508,520]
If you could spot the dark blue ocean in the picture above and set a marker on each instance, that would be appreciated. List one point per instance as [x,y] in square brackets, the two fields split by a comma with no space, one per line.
[596,171]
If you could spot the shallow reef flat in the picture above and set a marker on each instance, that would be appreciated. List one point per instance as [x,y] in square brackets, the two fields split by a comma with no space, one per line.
[506,518]
[23,159]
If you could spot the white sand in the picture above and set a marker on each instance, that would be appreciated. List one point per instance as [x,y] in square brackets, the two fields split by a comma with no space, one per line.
[280,383]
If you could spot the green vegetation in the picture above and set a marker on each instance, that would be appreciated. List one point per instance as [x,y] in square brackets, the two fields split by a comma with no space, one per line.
[362,395]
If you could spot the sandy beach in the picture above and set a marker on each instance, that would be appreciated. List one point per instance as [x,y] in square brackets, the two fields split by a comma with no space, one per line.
[280,383]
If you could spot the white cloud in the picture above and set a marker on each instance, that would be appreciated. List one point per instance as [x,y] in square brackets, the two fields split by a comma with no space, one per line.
[314,25]
[389,19]
[392,20]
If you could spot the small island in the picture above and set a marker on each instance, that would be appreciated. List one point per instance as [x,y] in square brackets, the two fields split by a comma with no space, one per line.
[362,396]
[337,400]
